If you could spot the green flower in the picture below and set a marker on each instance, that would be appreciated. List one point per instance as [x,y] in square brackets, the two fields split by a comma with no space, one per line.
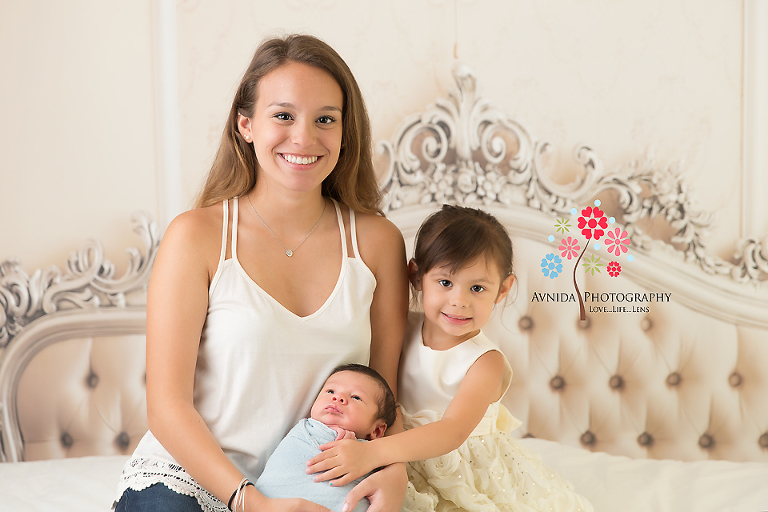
[592,263]
[563,225]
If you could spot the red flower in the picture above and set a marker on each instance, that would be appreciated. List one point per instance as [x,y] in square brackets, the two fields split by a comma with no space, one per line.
[593,222]
[569,248]
[616,241]
[614,269]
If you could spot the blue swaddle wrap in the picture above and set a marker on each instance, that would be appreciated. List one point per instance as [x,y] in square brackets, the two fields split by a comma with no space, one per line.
[284,475]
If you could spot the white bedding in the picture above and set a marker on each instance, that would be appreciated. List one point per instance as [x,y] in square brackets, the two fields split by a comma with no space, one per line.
[620,484]
[84,484]
[612,483]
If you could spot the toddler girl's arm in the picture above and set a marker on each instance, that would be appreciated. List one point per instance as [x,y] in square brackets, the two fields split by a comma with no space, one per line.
[343,462]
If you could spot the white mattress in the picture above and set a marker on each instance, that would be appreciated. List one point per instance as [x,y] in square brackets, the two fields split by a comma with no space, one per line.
[620,484]
[612,483]
[85,484]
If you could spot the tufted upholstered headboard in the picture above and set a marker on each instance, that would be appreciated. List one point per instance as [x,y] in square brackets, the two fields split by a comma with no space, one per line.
[670,359]
[631,345]
[72,363]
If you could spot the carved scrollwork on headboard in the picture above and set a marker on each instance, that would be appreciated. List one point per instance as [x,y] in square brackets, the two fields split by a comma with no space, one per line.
[464,157]
[89,282]
[465,151]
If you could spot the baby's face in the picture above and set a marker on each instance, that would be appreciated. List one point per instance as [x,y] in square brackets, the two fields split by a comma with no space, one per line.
[350,400]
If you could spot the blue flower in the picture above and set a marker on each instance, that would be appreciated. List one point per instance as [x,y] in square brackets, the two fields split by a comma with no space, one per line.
[551,265]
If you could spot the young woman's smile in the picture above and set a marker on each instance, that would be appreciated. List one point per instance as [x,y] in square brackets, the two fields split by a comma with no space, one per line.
[296,127]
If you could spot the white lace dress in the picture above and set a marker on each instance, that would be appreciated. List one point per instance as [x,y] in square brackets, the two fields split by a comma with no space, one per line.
[491,471]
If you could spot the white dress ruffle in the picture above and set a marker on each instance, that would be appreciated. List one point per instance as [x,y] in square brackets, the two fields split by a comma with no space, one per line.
[488,473]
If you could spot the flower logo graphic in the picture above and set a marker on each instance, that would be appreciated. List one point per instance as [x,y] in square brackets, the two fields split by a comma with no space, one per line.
[569,247]
[616,242]
[563,225]
[593,222]
[592,264]
[551,265]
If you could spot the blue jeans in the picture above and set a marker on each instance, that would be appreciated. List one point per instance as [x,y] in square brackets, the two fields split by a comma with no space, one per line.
[156,498]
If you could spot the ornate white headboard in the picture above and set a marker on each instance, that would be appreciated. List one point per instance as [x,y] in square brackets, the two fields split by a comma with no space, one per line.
[669,361]
[662,354]
[72,362]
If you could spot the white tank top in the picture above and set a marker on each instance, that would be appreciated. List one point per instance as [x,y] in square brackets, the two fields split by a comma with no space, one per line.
[260,366]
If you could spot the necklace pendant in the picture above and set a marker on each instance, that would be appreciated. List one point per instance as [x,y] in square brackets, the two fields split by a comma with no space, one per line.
[288,253]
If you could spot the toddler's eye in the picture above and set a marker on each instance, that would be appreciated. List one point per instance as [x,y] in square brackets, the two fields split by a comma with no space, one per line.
[444,283]
[355,397]
[329,391]
[477,288]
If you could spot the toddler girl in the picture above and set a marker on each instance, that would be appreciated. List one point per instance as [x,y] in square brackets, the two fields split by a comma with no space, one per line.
[452,379]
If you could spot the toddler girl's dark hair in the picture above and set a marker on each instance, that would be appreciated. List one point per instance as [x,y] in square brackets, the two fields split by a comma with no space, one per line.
[387,404]
[457,235]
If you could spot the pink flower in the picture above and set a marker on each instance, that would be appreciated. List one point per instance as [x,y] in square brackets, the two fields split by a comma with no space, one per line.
[616,242]
[593,222]
[614,269]
[569,248]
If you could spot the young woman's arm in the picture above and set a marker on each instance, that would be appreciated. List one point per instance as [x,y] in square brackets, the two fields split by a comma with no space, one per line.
[343,461]
[383,250]
[177,304]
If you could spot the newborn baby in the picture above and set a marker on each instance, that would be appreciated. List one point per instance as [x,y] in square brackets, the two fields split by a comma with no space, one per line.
[354,403]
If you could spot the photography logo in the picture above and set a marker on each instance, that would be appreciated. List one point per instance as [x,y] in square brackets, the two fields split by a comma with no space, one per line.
[592,225]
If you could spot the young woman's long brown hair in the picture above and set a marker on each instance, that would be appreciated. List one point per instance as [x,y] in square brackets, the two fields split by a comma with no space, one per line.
[352,181]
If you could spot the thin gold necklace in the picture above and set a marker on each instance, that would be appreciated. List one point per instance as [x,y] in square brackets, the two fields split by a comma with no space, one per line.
[288,252]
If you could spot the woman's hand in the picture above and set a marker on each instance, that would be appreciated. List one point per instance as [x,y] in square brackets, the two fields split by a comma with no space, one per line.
[291,505]
[343,461]
[257,502]
[385,490]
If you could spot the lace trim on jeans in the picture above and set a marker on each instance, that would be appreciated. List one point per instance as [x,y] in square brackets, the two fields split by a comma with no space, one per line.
[138,474]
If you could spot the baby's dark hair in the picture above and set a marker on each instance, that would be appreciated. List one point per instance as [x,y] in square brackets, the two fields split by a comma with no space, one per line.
[457,235]
[387,404]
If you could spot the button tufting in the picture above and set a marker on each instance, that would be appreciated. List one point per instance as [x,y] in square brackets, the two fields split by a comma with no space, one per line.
[557,382]
[66,440]
[123,440]
[616,382]
[706,441]
[92,380]
[525,323]
[645,439]
[735,380]
[588,438]
[646,324]
[674,379]
[763,440]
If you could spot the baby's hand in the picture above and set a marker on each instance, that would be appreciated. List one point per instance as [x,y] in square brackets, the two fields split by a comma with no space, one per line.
[343,434]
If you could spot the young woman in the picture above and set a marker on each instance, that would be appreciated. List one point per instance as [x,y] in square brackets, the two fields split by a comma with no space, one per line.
[284,271]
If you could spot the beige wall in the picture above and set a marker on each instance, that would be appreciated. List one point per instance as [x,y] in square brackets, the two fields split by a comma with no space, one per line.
[77,94]
[76,126]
